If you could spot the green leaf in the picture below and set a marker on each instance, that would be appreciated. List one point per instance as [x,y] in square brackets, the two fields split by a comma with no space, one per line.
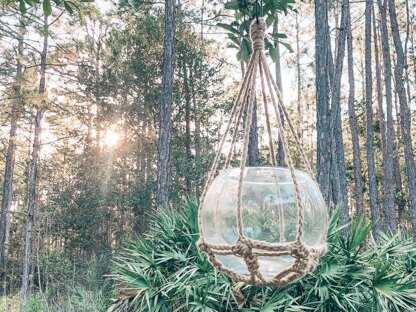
[81,16]
[270,19]
[232,5]
[238,55]
[229,28]
[47,9]
[287,46]
[279,35]
[22,7]
[234,39]
[245,50]
[57,2]
[273,53]
[68,7]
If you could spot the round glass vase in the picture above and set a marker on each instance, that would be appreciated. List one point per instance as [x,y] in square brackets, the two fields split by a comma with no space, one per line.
[269,214]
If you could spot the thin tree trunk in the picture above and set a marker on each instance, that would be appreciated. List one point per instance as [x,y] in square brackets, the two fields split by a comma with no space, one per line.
[11,149]
[353,123]
[197,123]
[372,180]
[299,81]
[336,114]
[389,136]
[165,117]
[33,169]
[322,100]
[188,152]
[404,113]
[253,142]
[278,72]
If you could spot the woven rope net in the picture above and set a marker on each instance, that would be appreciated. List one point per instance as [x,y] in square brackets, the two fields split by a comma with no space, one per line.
[305,257]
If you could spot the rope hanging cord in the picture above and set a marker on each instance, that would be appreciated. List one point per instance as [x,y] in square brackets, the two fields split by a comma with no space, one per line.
[305,257]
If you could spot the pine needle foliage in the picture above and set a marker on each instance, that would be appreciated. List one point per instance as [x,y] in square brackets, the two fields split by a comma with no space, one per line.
[164,271]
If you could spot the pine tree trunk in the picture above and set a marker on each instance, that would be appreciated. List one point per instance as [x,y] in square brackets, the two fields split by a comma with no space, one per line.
[253,140]
[299,82]
[353,123]
[188,152]
[404,113]
[336,114]
[388,181]
[165,118]
[197,124]
[372,180]
[33,169]
[278,72]
[322,100]
[10,154]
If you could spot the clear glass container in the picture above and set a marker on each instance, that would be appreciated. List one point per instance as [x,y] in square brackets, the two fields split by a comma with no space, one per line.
[269,213]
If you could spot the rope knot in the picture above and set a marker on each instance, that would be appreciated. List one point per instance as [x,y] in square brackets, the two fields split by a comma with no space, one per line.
[300,251]
[202,245]
[257,34]
[242,248]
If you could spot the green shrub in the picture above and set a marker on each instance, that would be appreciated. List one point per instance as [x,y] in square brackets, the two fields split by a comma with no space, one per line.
[35,303]
[164,271]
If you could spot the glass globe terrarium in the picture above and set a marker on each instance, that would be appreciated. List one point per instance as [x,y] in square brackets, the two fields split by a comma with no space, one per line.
[261,225]
[268,212]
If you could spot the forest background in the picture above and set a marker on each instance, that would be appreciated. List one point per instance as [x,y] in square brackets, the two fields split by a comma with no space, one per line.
[97,130]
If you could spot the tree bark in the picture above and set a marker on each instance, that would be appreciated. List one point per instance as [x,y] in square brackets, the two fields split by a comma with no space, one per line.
[278,72]
[165,117]
[253,139]
[33,169]
[353,123]
[336,114]
[404,113]
[197,123]
[322,100]
[372,179]
[11,149]
[299,81]
[188,152]
[387,130]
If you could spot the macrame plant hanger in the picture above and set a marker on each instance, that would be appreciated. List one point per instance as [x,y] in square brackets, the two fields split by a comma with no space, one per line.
[305,257]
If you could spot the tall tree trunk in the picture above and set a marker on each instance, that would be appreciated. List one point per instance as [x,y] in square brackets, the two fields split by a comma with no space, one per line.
[336,114]
[278,72]
[299,81]
[11,148]
[165,117]
[253,139]
[188,152]
[372,180]
[33,169]
[197,124]
[353,123]
[404,113]
[387,136]
[322,100]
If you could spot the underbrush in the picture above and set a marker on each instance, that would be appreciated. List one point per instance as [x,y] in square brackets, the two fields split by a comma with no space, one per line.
[164,271]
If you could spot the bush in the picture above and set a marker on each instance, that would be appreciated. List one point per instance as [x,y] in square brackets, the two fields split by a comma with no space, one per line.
[164,271]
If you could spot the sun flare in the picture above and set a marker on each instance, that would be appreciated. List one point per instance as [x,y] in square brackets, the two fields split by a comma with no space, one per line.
[111,138]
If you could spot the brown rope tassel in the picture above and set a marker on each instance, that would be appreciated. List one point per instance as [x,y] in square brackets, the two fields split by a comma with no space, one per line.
[305,257]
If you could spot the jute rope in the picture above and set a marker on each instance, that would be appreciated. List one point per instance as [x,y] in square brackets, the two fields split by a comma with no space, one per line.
[305,257]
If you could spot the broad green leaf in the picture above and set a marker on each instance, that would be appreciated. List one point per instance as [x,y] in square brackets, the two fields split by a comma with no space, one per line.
[68,7]
[47,9]
[279,35]
[273,53]
[232,5]
[22,7]
[229,28]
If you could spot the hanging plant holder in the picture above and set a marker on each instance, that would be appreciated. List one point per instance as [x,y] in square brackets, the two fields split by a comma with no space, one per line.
[261,225]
